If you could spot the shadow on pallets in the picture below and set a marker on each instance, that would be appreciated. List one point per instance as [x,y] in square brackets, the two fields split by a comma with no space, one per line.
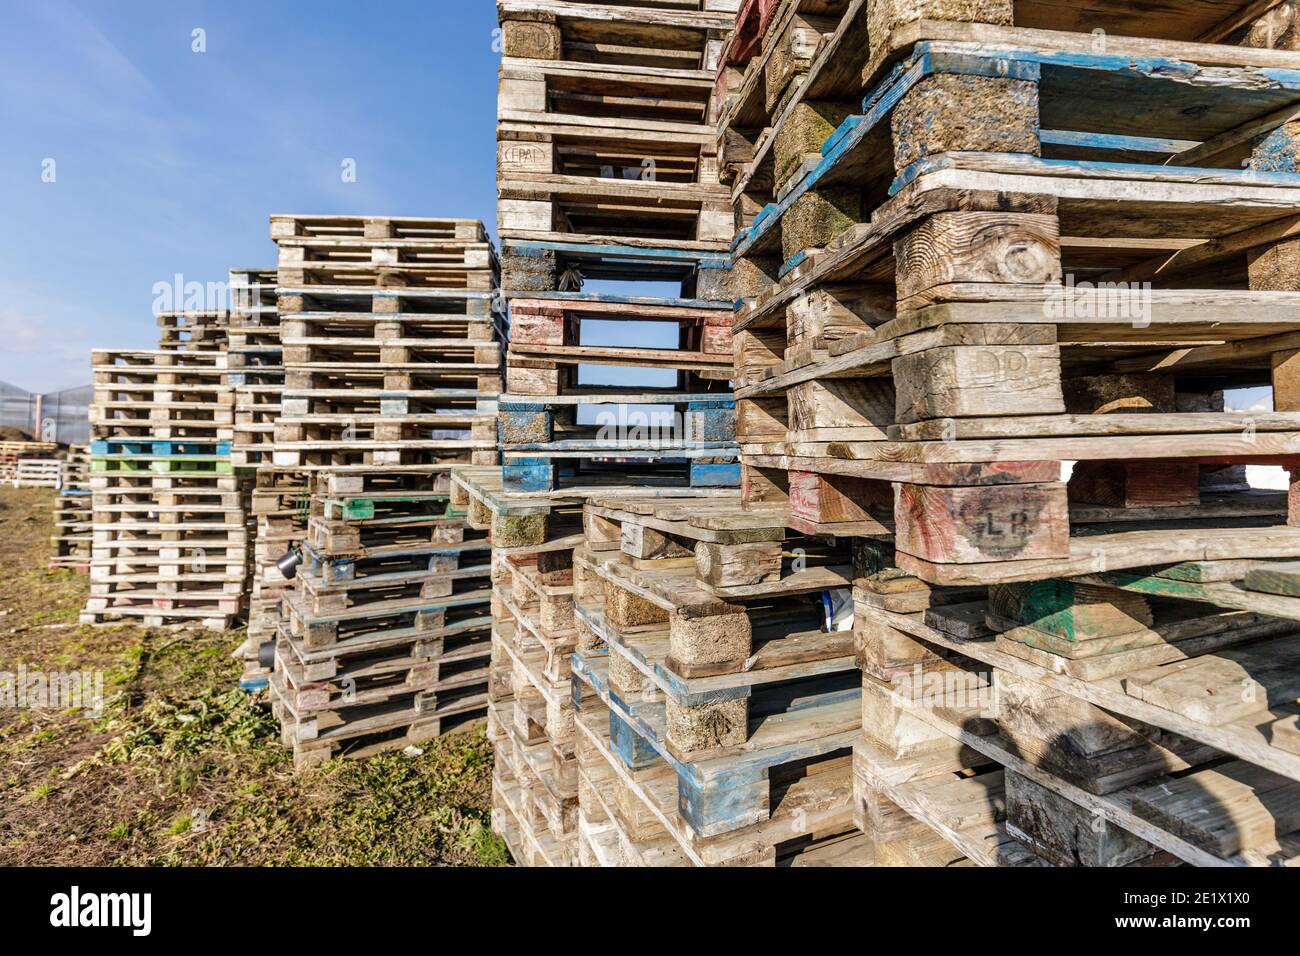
[1135,721]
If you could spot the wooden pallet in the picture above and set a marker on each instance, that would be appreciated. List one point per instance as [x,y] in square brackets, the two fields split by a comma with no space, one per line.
[169,532]
[344,262]
[386,325]
[72,538]
[760,83]
[754,819]
[538,425]
[385,629]
[193,331]
[256,363]
[557,268]
[603,124]
[26,449]
[530,723]
[403,721]
[38,473]
[698,679]
[733,550]
[1090,713]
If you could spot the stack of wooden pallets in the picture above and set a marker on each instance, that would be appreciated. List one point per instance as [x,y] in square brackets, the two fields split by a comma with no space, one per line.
[194,331]
[11,452]
[614,230]
[386,636]
[996,282]
[256,367]
[37,473]
[603,126]
[169,524]
[277,502]
[715,714]
[73,517]
[391,341]
[279,506]
[389,330]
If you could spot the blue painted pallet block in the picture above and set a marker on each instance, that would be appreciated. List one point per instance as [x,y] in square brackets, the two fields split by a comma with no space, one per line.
[523,475]
[715,476]
[711,421]
[632,749]
[169,447]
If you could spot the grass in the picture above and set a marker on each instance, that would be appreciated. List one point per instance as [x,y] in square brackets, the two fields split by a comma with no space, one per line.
[181,767]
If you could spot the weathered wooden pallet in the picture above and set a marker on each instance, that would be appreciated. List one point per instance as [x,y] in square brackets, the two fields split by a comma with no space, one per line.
[314,682]
[629,818]
[288,227]
[539,597]
[861,45]
[706,656]
[144,365]
[186,599]
[524,523]
[449,356]
[26,449]
[786,728]
[472,320]
[388,384]
[458,407]
[38,473]
[450,432]
[757,86]
[150,616]
[380,620]
[402,575]
[556,267]
[544,798]
[736,550]
[905,803]
[1150,686]
[193,331]
[552,329]
[403,721]
[469,269]
[603,124]
[752,825]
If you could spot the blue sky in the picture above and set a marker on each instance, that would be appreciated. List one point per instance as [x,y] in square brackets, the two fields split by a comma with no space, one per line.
[169,161]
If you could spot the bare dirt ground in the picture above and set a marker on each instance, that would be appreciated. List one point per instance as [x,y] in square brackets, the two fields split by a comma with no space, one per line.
[182,767]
